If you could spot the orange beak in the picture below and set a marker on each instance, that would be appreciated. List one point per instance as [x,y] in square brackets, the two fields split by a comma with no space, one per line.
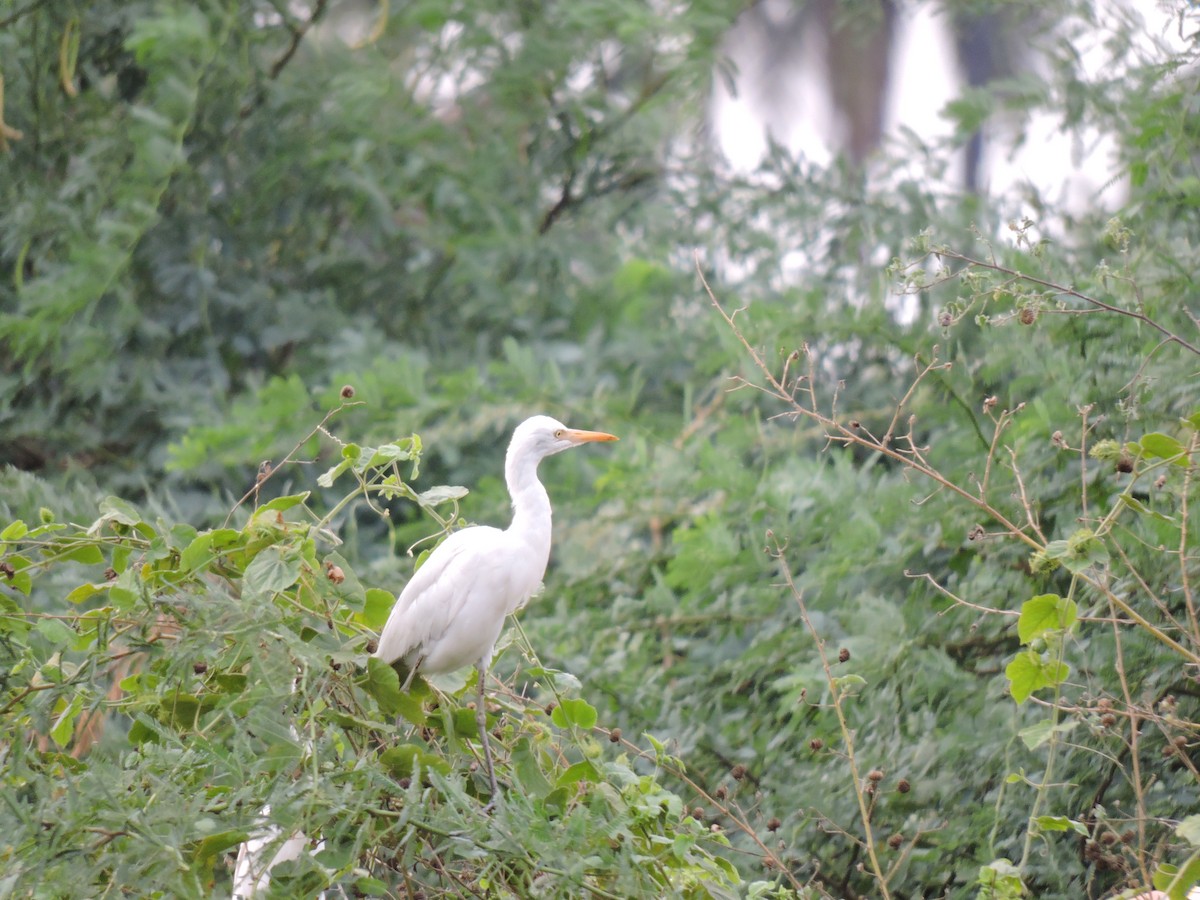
[583,437]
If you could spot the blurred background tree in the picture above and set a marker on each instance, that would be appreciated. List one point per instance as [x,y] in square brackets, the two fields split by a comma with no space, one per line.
[217,214]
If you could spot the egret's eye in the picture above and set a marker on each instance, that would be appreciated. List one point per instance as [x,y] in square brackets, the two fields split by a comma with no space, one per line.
[558,433]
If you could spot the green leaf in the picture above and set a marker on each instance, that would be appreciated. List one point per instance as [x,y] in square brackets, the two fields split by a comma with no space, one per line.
[114,509]
[1029,672]
[1060,823]
[1139,507]
[183,710]
[64,726]
[1189,830]
[327,478]
[85,592]
[390,453]
[1036,735]
[215,844]
[15,531]
[574,712]
[282,503]
[444,493]
[660,749]
[382,682]
[376,609]
[55,631]
[1057,549]
[581,771]
[849,685]
[270,572]
[142,732]
[207,546]
[1043,614]
[1175,881]
[563,682]
[125,591]
[366,886]
[407,759]
[528,771]
[1162,446]
[1000,880]
[20,578]
[86,553]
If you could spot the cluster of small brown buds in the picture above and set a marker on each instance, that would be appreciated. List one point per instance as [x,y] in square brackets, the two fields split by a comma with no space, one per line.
[945,319]
[550,707]
[843,655]
[1124,463]
[816,744]
[1027,315]
[721,792]
[989,403]
[7,570]
[1059,441]
[1107,717]
[372,646]
[334,573]
[773,824]
[347,392]
[615,736]
[895,841]
[976,533]
[110,574]
[738,772]
[903,786]
[1160,481]
[199,667]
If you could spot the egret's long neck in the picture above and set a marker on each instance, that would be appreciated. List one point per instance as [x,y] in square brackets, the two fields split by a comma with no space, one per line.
[531,504]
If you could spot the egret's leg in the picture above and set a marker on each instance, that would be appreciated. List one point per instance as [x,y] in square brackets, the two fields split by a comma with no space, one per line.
[481,721]
[412,673]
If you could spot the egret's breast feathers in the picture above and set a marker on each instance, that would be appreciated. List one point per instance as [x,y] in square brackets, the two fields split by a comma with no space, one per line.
[452,609]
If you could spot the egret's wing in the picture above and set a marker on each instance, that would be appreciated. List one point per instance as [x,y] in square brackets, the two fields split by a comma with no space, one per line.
[436,592]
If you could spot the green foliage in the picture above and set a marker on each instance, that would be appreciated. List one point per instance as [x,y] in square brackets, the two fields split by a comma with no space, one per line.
[965,481]
[209,675]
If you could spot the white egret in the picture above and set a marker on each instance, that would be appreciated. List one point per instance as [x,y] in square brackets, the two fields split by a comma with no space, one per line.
[450,613]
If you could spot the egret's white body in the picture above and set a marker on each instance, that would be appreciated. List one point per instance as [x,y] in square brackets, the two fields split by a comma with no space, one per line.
[450,613]
[251,873]
[452,610]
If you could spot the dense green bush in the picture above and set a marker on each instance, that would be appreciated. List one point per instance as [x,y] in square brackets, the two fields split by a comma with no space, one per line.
[889,586]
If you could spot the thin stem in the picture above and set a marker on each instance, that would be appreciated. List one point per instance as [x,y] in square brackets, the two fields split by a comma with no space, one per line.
[1043,788]
[1185,582]
[1071,292]
[843,724]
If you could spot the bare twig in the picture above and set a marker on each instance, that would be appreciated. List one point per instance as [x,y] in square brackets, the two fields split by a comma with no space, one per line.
[1169,335]
[881,877]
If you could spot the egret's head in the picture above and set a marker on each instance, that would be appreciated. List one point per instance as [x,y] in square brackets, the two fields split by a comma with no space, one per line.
[543,436]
